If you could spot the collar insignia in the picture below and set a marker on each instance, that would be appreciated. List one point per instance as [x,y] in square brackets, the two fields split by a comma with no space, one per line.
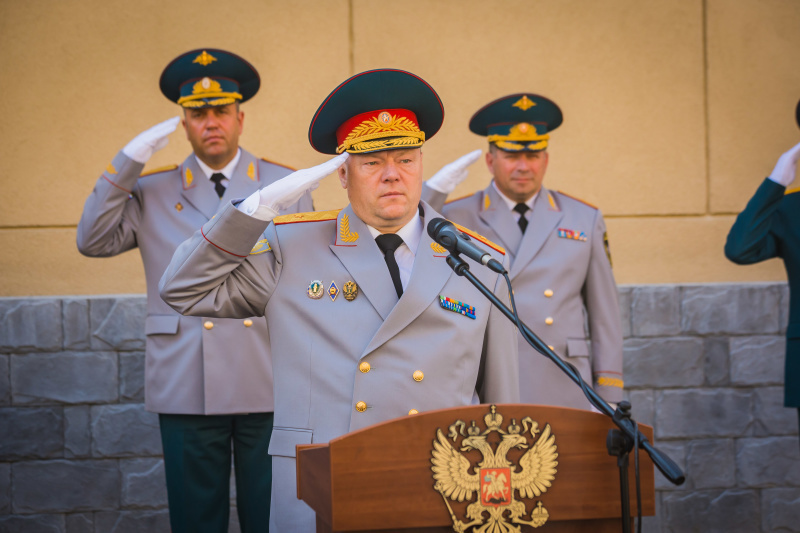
[495,479]
[188,178]
[110,169]
[438,248]
[251,171]
[261,247]
[344,231]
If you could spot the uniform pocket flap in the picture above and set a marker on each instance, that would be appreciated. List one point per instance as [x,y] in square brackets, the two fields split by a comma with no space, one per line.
[577,348]
[284,440]
[161,324]
[793,330]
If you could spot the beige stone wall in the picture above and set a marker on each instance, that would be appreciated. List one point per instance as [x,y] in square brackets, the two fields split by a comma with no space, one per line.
[674,111]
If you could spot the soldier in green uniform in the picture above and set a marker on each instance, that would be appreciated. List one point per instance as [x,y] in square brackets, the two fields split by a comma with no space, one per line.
[770,227]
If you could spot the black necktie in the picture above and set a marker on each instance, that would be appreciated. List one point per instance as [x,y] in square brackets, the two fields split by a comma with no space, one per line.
[388,243]
[523,222]
[217,178]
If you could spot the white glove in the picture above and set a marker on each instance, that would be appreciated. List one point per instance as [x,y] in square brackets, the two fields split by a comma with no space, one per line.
[265,204]
[144,145]
[783,173]
[450,175]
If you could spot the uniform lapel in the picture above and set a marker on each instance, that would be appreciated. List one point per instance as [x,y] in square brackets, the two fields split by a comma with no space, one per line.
[544,219]
[429,275]
[245,179]
[198,190]
[357,250]
[497,216]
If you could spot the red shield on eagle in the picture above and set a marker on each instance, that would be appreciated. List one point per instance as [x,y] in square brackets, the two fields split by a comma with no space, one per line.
[495,486]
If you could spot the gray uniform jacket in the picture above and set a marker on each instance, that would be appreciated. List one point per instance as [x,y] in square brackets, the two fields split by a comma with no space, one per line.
[189,366]
[562,280]
[330,354]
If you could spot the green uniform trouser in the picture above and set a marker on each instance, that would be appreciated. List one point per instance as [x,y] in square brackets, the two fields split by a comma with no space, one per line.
[197,461]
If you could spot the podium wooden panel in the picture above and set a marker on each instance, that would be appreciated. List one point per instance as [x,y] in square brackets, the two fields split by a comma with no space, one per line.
[380,479]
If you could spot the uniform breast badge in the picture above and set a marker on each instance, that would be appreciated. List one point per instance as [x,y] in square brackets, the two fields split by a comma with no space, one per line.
[457,307]
[572,234]
[350,291]
[315,290]
[494,480]
[333,291]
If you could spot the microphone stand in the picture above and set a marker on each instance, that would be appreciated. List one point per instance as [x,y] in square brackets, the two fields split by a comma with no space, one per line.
[619,441]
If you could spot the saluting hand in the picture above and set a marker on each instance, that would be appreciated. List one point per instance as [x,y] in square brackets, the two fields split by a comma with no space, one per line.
[144,145]
[450,175]
[785,168]
[281,194]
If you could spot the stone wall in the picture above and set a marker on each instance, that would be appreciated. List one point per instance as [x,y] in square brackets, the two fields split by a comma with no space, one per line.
[703,365]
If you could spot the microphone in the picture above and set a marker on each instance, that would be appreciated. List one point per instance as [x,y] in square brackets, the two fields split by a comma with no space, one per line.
[445,233]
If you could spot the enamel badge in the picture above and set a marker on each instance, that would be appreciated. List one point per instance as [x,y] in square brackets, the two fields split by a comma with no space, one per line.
[315,290]
[333,291]
[350,291]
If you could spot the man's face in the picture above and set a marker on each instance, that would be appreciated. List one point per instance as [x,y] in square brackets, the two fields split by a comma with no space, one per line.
[214,133]
[518,175]
[384,188]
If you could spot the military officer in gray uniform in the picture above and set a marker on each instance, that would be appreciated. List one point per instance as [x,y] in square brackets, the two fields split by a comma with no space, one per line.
[209,397]
[560,265]
[373,323]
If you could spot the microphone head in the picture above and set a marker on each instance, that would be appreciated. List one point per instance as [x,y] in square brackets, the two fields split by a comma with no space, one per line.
[444,232]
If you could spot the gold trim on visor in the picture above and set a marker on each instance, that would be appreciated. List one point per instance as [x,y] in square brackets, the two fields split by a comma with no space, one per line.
[380,133]
[208,88]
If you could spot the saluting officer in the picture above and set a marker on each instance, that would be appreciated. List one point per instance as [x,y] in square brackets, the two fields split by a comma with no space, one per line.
[558,249]
[373,323]
[207,394]
[770,227]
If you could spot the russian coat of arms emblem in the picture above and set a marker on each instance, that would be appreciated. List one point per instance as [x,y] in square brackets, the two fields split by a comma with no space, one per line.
[495,480]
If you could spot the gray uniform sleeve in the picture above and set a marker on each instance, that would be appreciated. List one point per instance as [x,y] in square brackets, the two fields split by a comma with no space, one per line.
[213,273]
[111,215]
[436,199]
[605,326]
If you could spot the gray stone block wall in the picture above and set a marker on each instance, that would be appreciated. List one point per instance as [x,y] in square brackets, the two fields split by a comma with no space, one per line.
[703,366]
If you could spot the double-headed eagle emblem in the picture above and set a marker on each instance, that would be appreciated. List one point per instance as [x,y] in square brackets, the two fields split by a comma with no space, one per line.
[495,479]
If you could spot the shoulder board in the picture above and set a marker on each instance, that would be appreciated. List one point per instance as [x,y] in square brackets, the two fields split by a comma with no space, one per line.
[481,238]
[579,200]
[312,216]
[264,159]
[791,191]
[158,170]
[459,198]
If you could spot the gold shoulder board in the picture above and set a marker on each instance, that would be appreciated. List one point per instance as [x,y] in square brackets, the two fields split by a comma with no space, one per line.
[584,202]
[481,238]
[158,170]
[312,216]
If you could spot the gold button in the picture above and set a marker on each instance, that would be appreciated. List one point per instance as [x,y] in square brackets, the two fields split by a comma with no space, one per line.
[548,321]
[208,324]
[361,407]
[247,322]
[548,292]
[413,412]
[364,367]
[418,375]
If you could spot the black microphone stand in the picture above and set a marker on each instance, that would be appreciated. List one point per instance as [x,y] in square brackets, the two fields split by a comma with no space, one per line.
[619,442]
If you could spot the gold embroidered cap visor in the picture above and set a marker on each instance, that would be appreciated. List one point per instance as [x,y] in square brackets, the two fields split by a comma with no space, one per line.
[209,77]
[382,109]
[517,122]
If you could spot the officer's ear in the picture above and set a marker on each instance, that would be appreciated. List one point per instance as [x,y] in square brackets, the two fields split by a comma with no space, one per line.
[343,175]
[490,159]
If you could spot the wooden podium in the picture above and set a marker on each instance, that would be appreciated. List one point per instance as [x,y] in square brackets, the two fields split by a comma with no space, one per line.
[380,478]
